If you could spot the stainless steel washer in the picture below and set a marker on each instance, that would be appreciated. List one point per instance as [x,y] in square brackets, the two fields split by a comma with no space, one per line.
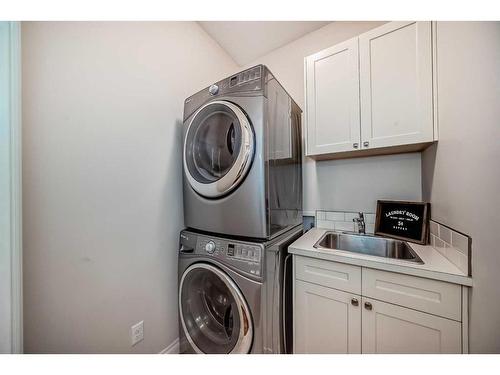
[231,294]
[242,157]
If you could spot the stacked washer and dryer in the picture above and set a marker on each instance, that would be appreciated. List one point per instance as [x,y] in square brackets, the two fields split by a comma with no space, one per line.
[242,208]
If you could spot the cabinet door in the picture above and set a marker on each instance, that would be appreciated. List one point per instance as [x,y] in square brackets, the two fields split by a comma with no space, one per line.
[332,99]
[396,85]
[326,320]
[389,328]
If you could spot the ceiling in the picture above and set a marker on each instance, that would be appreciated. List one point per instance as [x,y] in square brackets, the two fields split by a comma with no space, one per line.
[245,41]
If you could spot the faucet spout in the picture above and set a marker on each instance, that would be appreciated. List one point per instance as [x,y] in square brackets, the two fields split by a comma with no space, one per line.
[361,223]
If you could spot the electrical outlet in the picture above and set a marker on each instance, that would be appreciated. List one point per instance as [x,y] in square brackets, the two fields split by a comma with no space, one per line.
[137,332]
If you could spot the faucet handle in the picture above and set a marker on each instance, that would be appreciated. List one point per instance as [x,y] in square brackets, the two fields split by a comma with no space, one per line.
[360,218]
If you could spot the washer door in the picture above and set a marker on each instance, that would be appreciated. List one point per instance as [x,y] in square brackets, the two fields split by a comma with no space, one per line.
[213,312]
[218,149]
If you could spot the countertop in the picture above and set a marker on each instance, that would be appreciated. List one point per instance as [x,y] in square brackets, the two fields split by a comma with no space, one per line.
[435,266]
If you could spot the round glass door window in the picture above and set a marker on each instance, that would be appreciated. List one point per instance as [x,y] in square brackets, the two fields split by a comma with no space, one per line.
[214,315]
[218,149]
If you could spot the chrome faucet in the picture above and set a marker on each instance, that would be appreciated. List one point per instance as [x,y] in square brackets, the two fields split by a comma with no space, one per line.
[361,223]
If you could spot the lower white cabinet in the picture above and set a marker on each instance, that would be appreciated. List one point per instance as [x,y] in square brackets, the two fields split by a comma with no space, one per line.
[389,328]
[329,320]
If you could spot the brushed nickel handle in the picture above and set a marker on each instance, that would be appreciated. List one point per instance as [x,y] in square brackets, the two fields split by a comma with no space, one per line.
[368,305]
[354,302]
[355,145]
[366,144]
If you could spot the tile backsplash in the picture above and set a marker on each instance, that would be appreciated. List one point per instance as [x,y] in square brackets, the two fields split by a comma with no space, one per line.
[343,220]
[455,246]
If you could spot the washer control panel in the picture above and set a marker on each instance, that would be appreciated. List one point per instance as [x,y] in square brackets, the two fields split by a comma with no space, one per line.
[244,252]
[246,257]
[210,247]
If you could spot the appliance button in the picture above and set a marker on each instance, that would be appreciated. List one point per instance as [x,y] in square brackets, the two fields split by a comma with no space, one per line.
[250,253]
[210,247]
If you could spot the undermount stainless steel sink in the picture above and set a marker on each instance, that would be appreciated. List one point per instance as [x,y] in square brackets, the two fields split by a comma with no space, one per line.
[369,245]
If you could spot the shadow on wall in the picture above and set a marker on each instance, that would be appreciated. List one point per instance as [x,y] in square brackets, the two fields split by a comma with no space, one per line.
[356,184]
[428,166]
[172,205]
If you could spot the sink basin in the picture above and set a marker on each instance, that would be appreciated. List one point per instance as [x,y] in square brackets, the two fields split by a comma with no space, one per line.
[369,245]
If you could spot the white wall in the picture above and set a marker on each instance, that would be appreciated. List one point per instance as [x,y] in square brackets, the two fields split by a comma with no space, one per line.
[461,176]
[353,184]
[102,111]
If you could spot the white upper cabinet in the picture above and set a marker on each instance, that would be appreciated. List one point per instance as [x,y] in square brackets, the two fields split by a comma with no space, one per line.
[332,95]
[396,84]
[372,94]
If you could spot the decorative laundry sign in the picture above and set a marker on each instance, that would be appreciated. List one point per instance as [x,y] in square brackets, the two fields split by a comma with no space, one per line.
[408,221]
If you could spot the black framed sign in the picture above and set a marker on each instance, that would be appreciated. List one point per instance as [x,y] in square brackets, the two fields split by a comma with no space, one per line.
[408,221]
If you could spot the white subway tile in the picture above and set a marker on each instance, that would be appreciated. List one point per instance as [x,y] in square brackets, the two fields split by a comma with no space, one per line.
[325,224]
[434,227]
[349,216]
[458,259]
[445,234]
[370,218]
[320,215]
[344,225]
[460,242]
[440,246]
[335,216]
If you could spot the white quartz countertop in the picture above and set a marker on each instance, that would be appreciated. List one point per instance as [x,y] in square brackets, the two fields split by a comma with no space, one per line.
[435,266]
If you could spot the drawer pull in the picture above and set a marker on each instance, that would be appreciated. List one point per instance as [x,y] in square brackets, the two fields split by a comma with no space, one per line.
[368,305]
[354,302]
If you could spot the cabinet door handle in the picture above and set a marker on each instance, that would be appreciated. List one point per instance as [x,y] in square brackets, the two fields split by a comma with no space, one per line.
[366,144]
[355,145]
[368,305]
[354,302]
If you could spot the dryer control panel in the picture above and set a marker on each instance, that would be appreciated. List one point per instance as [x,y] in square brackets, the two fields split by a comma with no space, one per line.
[249,82]
[243,256]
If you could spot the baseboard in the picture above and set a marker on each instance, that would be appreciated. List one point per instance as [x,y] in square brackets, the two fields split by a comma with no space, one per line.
[173,348]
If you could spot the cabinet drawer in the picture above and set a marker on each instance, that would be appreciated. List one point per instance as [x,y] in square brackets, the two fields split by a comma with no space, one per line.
[330,274]
[431,296]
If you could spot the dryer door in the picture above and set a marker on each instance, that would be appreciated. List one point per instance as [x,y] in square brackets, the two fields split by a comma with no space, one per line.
[218,149]
[214,315]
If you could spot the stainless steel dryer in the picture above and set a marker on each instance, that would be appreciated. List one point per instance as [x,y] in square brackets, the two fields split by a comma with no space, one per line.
[242,157]
[231,294]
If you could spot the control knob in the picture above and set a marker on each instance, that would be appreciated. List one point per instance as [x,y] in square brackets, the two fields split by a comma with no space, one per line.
[210,247]
[214,89]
